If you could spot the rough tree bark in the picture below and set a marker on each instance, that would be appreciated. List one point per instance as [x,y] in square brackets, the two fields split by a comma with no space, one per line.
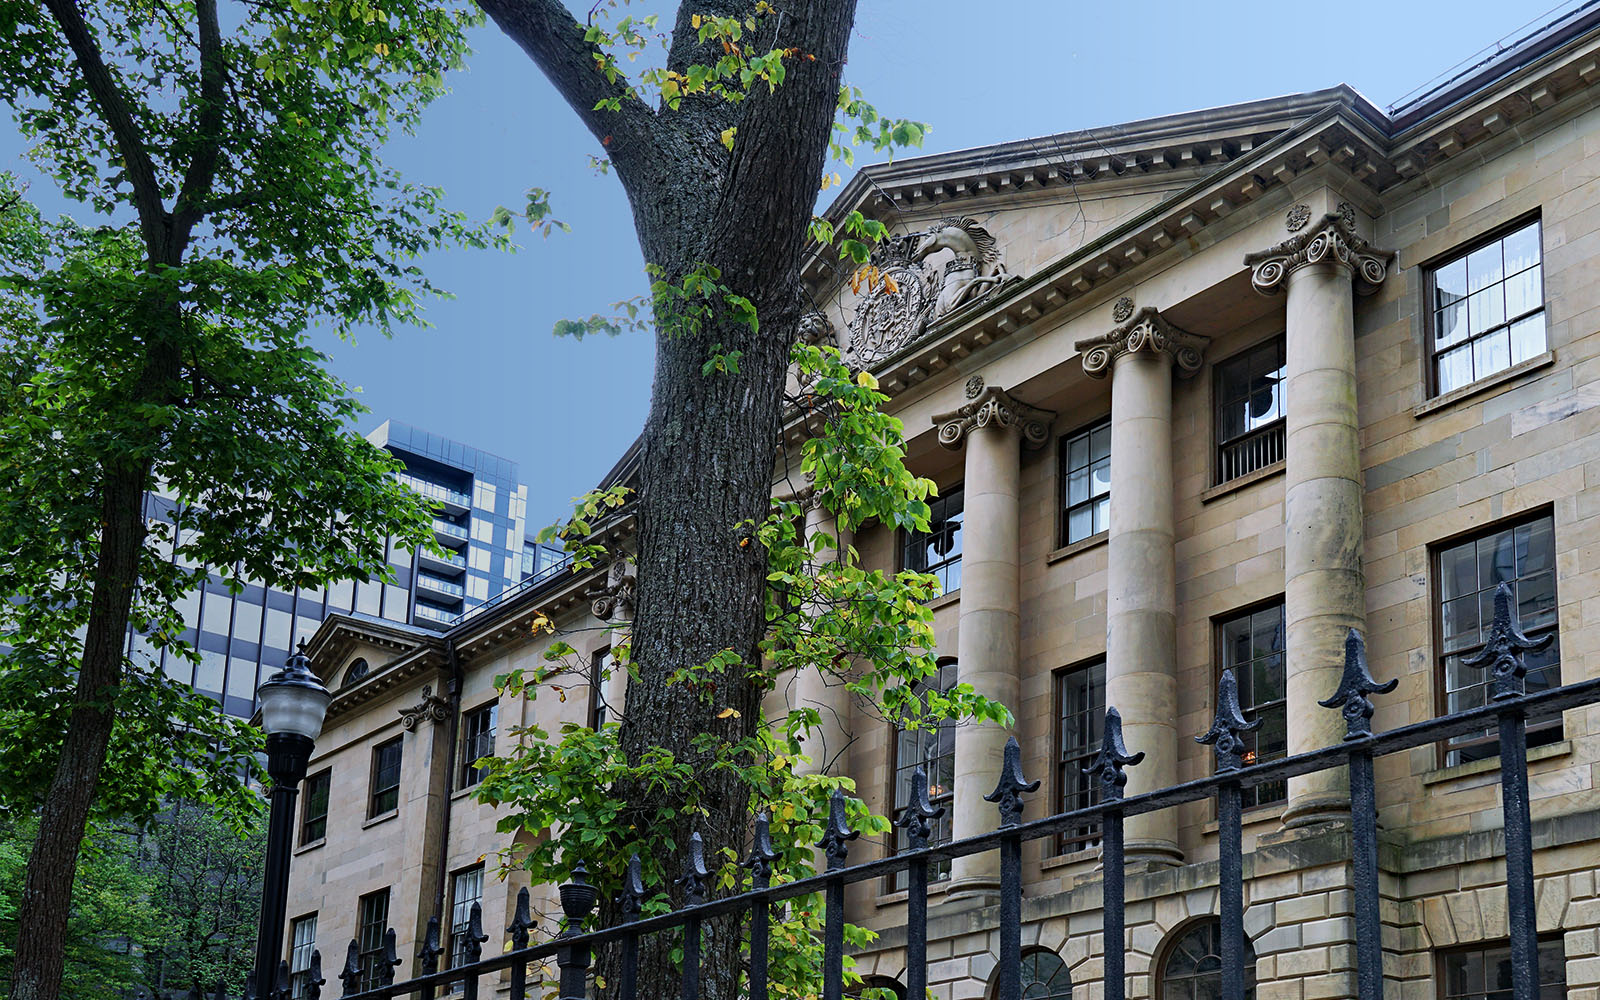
[710,441]
[52,865]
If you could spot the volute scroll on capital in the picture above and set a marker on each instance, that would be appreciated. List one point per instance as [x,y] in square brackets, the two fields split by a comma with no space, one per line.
[1147,332]
[990,405]
[1334,240]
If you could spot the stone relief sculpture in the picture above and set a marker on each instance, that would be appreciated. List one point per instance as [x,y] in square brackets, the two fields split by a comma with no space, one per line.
[614,601]
[916,294]
[432,707]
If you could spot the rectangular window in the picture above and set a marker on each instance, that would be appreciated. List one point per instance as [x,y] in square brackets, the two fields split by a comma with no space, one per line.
[1483,971]
[477,740]
[1080,717]
[385,796]
[1250,409]
[303,935]
[1467,572]
[599,667]
[932,748]
[1252,645]
[314,807]
[938,550]
[1086,483]
[373,922]
[466,890]
[1486,308]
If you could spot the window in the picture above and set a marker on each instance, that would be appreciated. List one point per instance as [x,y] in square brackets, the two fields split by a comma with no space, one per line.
[1467,573]
[303,935]
[1252,644]
[1086,483]
[599,667]
[938,550]
[934,750]
[1250,408]
[466,890]
[314,811]
[355,673]
[477,740]
[385,778]
[1486,308]
[1192,966]
[1045,977]
[1483,971]
[1080,717]
[373,922]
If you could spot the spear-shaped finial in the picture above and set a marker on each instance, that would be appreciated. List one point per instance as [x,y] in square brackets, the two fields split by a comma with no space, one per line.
[390,960]
[283,982]
[521,920]
[351,976]
[1351,698]
[837,835]
[631,901]
[1502,653]
[475,936]
[1224,734]
[916,819]
[428,954]
[1008,793]
[762,854]
[1112,757]
[694,875]
[314,978]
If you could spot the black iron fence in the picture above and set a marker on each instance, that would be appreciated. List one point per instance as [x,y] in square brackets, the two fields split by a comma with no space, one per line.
[573,951]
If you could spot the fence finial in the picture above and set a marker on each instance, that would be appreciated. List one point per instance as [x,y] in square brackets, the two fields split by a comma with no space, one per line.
[1108,763]
[351,975]
[918,816]
[428,954]
[1228,724]
[314,978]
[578,898]
[475,935]
[220,994]
[283,981]
[762,854]
[694,875]
[631,902]
[1008,793]
[1502,653]
[521,921]
[390,960]
[836,836]
[1351,698]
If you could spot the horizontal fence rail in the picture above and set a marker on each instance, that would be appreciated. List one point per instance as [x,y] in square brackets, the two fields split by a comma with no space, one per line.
[1510,709]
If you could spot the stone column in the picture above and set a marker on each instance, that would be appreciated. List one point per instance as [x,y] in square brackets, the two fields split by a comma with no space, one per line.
[994,427]
[826,743]
[1324,588]
[1141,560]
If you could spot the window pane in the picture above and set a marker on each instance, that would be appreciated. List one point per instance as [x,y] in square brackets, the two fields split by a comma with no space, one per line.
[1524,292]
[1527,338]
[1450,324]
[1486,309]
[1484,267]
[1522,249]
[1450,284]
[1492,353]
[1101,477]
[1455,368]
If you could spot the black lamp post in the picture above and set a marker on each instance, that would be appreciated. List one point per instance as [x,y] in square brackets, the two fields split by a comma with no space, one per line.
[293,705]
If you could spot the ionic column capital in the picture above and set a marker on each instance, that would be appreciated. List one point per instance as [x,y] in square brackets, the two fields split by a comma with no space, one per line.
[1332,241]
[990,405]
[1146,333]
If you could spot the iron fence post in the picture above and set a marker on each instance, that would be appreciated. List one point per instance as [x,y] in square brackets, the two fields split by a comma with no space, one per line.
[1007,795]
[917,821]
[631,903]
[760,862]
[521,924]
[694,888]
[1107,770]
[428,955]
[578,898]
[836,845]
[1225,739]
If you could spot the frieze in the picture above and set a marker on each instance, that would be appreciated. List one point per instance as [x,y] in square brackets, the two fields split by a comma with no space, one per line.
[1333,240]
[1147,332]
[990,404]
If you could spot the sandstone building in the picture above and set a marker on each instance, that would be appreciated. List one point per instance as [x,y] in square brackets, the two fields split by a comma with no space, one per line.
[1201,391]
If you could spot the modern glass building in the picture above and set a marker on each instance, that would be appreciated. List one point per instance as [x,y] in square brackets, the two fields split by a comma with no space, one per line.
[481,526]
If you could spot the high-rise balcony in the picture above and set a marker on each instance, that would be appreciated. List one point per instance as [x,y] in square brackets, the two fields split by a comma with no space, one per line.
[449,591]
[453,535]
[454,500]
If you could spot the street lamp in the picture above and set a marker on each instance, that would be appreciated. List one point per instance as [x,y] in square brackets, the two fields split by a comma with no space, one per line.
[293,705]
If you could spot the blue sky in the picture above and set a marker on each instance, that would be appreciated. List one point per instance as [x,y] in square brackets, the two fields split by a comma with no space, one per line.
[491,374]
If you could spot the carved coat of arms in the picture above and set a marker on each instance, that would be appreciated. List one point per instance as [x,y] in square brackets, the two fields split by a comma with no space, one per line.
[919,293]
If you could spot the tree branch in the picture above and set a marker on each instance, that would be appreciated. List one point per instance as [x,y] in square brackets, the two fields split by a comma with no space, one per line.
[554,40]
[140,171]
[202,170]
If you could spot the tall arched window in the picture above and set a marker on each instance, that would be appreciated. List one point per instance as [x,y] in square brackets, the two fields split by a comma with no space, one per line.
[1192,966]
[1045,977]
[356,672]
[933,749]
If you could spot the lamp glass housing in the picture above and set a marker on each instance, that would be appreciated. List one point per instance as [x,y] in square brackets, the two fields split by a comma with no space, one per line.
[291,704]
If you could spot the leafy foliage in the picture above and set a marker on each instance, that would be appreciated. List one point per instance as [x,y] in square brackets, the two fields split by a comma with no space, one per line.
[867,630]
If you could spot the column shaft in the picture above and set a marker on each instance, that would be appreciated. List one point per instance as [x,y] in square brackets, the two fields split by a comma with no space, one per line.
[826,743]
[1324,589]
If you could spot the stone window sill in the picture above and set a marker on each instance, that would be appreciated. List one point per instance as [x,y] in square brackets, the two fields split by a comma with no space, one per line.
[1240,482]
[945,600]
[313,845]
[935,890]
[1070,858]
[382,818]
[1272,811]
[1081,545]
[1547,752]
[1484,384]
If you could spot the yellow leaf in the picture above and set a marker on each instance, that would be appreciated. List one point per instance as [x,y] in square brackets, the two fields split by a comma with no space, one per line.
[728,713]
[695,20]
[866,379]
[727,136]
[381,49]
[889,285]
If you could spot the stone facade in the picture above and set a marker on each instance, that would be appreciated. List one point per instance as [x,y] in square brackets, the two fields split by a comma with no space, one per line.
[1316,220]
